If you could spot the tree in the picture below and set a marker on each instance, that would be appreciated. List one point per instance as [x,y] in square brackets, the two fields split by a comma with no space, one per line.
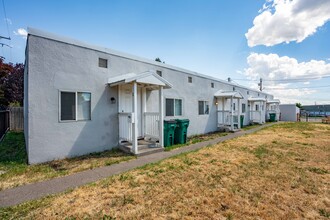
[159,60]
[298,105]
[11,83]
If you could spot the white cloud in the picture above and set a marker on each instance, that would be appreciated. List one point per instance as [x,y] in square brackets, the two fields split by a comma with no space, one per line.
[282,21]
[278,72]
[21,32]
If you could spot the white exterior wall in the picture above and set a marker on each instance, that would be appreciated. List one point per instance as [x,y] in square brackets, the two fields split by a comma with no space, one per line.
[289,112]
[54,66]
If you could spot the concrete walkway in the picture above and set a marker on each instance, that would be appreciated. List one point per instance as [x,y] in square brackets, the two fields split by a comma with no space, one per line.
[38,190]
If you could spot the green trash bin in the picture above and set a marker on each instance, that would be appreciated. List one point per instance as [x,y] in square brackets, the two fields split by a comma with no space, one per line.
[272,117]
[180,136]
[242,120]
[169,128]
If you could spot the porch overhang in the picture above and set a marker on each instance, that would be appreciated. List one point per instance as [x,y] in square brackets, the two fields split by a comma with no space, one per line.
[274,101]
[148,78]
[256,99]
[228,94]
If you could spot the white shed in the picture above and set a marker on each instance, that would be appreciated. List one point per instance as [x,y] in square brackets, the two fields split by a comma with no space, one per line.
[289,112]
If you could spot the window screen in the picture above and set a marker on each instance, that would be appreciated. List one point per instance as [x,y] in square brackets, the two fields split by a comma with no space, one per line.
[169,107]
[68,106]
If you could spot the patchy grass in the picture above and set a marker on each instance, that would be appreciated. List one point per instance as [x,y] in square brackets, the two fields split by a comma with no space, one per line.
[196,139]
[15,171]
[265,175]
[249,127]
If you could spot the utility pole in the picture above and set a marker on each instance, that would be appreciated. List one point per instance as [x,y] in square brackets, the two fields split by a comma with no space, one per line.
[260,84]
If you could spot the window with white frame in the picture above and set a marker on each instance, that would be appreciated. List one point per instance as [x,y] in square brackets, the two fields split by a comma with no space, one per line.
[234,106]
[203,107]
[257,107]
[75,106]
[189,79]
[173,107]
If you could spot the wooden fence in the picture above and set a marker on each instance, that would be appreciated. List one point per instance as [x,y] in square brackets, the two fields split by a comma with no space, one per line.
[4,122]
[16,119]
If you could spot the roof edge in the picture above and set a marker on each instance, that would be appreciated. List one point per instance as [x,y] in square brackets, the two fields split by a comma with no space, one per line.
[68,40]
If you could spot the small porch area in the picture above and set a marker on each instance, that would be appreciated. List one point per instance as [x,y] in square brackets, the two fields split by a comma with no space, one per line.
[228,110]
[273,107]
[257,110]
[140,128]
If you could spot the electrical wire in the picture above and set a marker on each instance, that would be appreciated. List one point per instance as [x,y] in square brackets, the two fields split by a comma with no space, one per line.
[307,87]
[4,10]
[286,80]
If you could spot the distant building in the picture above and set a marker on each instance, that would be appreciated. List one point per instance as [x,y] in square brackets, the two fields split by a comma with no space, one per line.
[316,110]
[289,112]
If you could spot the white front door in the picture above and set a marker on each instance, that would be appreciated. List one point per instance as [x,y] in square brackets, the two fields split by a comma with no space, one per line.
[126,103]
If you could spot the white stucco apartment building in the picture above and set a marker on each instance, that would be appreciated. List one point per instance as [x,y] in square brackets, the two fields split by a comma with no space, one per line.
[81,98]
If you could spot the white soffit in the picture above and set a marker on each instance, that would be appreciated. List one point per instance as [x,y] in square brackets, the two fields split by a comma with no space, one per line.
[256,99]
[274,101]
[149,78]
[228,94]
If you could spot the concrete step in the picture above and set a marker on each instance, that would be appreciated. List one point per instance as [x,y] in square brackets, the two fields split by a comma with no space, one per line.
[143,149]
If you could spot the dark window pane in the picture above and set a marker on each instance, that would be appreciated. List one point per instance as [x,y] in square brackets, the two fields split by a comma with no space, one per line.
[68,106]
[103,63]
[169,107]
[200,107]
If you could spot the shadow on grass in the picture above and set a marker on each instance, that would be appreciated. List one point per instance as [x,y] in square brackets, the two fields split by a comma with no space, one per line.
[196,139]
[12,149]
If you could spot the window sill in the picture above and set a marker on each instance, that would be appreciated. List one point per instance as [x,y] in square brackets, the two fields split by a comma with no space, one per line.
[68,121]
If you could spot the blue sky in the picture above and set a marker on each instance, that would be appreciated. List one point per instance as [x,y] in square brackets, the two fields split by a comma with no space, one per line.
[207,36]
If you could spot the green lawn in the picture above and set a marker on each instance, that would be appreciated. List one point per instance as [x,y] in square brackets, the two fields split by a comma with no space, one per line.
[15,170]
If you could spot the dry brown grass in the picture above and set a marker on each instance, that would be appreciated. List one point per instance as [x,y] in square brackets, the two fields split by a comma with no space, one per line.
[282,172]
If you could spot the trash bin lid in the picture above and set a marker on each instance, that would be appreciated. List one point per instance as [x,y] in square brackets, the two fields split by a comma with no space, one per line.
[170,121]
[182,120]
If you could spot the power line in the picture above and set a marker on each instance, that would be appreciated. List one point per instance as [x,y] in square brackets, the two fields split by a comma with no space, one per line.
[285,80]
[4,10]
[307,87]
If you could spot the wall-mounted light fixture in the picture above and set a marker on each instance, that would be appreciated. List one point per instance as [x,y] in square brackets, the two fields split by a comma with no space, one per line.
[113,100]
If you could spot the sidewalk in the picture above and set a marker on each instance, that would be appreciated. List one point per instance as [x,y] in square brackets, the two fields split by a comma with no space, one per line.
[38,190]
